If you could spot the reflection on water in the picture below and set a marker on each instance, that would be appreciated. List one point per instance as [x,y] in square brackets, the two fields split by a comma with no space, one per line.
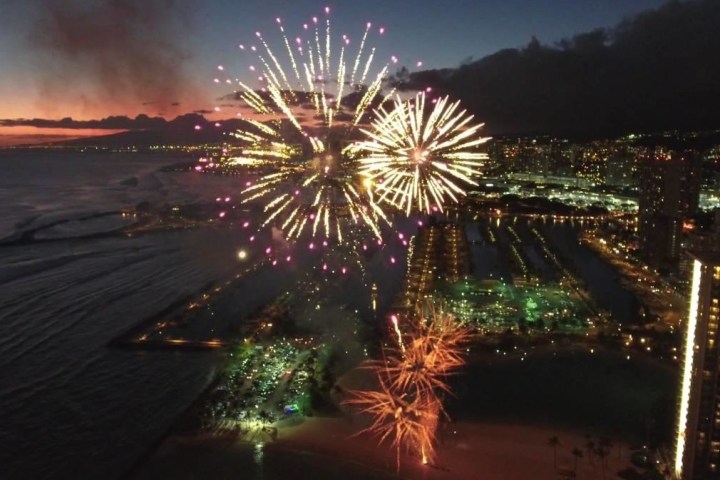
[258,456]
[70,406]
[600,277]
[67,401]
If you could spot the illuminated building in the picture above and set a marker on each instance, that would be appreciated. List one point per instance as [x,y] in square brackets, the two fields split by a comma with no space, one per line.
[620,171]
[697,443]
[669,192]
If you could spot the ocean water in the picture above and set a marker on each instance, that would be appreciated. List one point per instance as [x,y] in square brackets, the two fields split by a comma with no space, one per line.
[70,406]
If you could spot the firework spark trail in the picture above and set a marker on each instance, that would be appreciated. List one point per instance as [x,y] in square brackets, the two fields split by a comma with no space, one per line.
[340,79]
[359,55]
[369,95]
[291,55]
[274,59]
[406,406]
[419,159]
[400,342]
[327,41]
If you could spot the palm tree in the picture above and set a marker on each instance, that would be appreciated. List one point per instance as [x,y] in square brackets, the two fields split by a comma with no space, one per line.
[590,448]
[577,453]
[606,444]
[554,442]
[619,445]
[602,453]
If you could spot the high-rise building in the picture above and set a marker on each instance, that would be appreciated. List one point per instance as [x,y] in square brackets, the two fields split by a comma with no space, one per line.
[669,192]
[697,446]
[620,170]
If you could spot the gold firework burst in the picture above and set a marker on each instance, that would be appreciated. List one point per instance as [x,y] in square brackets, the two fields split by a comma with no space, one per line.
[311,183]
[418,156]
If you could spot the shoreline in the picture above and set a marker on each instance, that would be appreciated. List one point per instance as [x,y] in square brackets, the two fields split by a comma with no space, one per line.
[175,427]
[502,451]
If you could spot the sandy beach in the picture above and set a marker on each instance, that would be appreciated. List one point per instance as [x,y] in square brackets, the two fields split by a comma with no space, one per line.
[465,451]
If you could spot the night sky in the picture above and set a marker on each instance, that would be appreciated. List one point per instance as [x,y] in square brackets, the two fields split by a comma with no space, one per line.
[59,57]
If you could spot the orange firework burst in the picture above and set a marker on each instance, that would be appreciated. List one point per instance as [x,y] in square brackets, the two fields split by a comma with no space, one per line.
[430,349]
[409,418]
[406,407]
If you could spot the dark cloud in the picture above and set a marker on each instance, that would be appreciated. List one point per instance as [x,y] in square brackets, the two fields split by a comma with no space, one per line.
[202,112]
[655,71]
[295,97]
[141,122]
[112,54]
[343,116]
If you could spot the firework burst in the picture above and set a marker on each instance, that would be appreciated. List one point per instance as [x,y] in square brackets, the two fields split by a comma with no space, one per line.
[417,156]
[311,183]
[411,376]
[408,420]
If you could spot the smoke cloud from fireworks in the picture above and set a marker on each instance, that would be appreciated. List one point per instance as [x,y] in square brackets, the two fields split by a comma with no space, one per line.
[111,56]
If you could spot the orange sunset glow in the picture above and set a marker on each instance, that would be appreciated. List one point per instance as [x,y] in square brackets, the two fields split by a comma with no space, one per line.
[26,135]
